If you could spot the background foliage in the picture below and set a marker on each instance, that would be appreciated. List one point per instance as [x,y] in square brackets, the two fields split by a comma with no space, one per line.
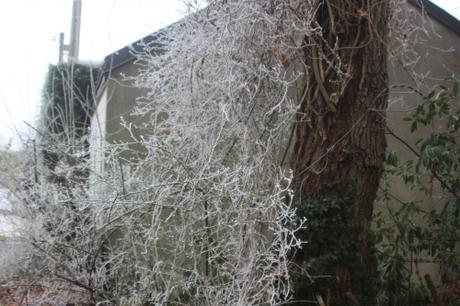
[410,233]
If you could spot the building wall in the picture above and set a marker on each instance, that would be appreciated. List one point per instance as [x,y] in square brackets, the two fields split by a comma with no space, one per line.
[116,101]
[97,135]
[121,99]
[432,55]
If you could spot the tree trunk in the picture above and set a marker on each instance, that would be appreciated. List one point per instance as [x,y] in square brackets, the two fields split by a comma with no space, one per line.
[340,145]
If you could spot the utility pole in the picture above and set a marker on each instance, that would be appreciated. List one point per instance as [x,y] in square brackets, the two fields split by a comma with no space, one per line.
[62,47]
[73,47]
[75,30]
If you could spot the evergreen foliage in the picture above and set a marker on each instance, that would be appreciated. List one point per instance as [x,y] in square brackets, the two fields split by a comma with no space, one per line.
[65,119]
[68,99]
[410,233]
[331,238]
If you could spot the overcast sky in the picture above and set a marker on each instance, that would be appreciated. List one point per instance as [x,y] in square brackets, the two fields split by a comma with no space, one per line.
[30,30]
[30,40]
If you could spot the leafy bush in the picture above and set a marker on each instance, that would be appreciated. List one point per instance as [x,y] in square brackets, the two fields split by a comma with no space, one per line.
[408,232]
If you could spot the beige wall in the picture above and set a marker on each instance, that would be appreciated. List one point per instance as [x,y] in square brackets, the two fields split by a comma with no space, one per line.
[116,101]
[97,136]
[121,98]
[434,55]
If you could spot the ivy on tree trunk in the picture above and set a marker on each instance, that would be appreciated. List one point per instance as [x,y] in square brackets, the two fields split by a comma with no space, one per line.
[340,144]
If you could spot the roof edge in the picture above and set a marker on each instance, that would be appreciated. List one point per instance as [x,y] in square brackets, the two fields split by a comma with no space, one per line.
[126,54]
[439,14]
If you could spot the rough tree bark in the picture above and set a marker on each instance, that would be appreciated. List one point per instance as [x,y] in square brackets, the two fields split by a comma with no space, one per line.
[340,141]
